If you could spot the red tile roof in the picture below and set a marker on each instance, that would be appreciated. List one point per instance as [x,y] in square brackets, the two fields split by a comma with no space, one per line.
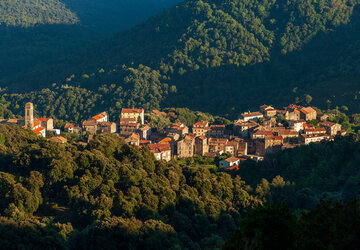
[308,110]
[137,111]
[201,124]
[43,119]
[89,123]
[39,130]
[69,125]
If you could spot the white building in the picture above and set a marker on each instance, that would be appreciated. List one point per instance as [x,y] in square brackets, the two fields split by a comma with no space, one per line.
[297,125]
[251,116]
[229,162]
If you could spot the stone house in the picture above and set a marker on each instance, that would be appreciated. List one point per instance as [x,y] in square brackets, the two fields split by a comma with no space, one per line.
[137,114]
[177,128]
[90,126]
[47,123]
[106,127]
[201,128]
[145,132]
[201,145]
[244,129]
[127,128]
[308,114]
[133,139]
[186,146]
[217,145]
[216,131]
[160,151]
[331,128]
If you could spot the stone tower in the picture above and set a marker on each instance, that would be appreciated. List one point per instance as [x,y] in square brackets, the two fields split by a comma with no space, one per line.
[29,115]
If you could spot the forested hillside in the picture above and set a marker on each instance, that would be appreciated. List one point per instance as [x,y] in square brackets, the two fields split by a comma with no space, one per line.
[109,194]
[224,56]
[31,12]
[37,31]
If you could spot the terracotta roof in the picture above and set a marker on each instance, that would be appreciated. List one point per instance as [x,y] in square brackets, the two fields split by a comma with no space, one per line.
[105,124]
[159,147]
[100,116]
[230,143]
[43,119]
[314,135]
[201,124]
[233,168]
[165,140]
[143,142]
[89,123]
[136,111]
[128,124]
[328,124]
[288,132]
[69,125]
[262,132]
[39,130]
[128,120]
[218,140]
[232,159]
[293,106]
[308,110]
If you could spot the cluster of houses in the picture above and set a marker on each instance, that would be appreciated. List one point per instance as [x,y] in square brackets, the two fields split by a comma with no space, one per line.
[39,125]
[252,136]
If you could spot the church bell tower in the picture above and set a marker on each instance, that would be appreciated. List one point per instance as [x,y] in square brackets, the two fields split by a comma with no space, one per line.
[29,115]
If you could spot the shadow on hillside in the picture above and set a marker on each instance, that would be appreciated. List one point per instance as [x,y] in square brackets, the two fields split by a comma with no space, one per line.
[23,48]
[326,68]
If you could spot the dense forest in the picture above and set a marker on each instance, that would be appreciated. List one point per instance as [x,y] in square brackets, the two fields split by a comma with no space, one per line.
[31,12]
[222,57]
[111,195]
[37,31]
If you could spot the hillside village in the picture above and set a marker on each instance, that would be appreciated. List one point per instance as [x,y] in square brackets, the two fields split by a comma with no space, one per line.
[252,136]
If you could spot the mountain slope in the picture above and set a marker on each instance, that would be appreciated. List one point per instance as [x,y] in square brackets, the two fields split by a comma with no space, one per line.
[36,31]
[218,56]
[31,12]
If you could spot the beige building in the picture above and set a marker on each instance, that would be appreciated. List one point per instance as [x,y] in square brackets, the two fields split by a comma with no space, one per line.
[308,114]
[137,114]
[47,123]
[307,139]
[177,128]
[331,128]
[200,128]
[161,151]
[186,146]
[90,126]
